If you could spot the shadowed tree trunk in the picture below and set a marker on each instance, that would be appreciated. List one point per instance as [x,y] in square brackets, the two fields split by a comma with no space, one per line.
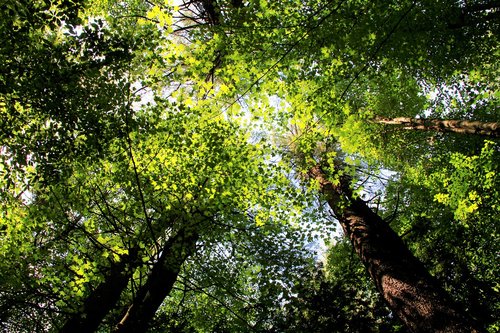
[407,287]
[440,125]
[159,283]
[102,299]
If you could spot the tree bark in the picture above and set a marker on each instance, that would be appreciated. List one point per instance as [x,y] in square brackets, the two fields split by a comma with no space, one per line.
[103,299]
[404,283]
[159,283]
[491,129]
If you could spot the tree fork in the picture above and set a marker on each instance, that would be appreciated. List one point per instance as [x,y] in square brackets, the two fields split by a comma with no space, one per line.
[491,129]
[159,283]
[103,299]
[404,283]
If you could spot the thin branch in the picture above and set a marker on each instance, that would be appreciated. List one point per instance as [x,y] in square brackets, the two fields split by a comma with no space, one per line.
[136,173]
[282,57]
[195,287]
[395,212]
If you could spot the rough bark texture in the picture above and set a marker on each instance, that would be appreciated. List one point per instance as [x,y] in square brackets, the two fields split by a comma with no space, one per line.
[407,287]
[440,125]
[102,299]
[159,283]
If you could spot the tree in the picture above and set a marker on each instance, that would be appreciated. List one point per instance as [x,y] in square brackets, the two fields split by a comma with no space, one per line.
[405,284]
[441,125]
[447,218]
[160,281]
[339,297]
[240,281]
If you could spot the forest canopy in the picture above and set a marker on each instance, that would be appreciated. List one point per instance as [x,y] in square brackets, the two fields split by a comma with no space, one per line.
[249,166]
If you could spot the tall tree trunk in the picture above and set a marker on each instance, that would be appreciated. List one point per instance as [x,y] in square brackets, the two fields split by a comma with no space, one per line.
[159,283]
[407,287]
[441,125]
[103,299]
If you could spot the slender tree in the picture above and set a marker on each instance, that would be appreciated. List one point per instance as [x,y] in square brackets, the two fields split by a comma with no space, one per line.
[159,283]
[443,125]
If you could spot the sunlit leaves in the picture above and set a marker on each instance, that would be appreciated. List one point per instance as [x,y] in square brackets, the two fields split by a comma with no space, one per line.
[470,183]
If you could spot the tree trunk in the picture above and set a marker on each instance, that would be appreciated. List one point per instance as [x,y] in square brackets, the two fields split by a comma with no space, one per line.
[159,283]
[103,299]
[407,287]
[457,126]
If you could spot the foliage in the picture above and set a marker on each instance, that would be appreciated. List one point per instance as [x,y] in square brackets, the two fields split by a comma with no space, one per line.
[124,121]
[337,298]
[442,224]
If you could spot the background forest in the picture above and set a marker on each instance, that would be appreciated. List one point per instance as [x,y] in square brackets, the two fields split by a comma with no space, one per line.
[249,166]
